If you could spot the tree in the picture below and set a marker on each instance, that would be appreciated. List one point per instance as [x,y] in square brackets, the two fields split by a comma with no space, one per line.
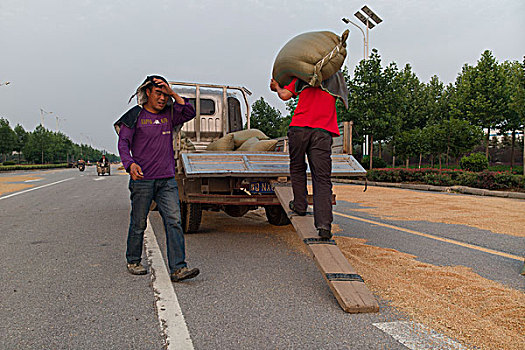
[21,138]
[266,118]
[37,144]
[515,107]
[462,137]
[435,137]
[408,105]
[7,138]
[410,143]
[480,94]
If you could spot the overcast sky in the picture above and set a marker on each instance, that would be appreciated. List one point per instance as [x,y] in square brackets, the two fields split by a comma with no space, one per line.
[83,59]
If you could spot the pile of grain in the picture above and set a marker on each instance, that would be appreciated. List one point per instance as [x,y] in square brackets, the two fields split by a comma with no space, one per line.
[451,300]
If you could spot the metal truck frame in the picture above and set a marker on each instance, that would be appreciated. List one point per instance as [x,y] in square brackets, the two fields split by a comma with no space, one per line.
[234,182]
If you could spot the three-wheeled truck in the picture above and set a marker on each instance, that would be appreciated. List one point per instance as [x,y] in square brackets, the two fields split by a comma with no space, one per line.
[237,182]
[234,182]
[103,169]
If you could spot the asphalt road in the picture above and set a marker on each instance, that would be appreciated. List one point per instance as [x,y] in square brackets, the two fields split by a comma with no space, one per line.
[65,285]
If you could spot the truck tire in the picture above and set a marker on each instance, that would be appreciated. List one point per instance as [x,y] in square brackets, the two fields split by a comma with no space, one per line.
[236,210]
[276,215]
[191,216]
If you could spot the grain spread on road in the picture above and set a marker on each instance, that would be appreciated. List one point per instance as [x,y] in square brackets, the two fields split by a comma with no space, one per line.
[12,183]
[452,300]
[499,215]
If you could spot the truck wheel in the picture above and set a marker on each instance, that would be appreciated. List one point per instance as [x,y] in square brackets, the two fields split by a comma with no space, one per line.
[191,216]
[236,210]
[276,215]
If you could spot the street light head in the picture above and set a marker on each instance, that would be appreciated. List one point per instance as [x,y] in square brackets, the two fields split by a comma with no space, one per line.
[361,17]
[346,20]
[371,14]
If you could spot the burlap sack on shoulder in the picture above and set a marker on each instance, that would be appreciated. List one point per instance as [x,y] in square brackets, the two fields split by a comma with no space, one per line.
[311,57]
[225,143]
[239,137]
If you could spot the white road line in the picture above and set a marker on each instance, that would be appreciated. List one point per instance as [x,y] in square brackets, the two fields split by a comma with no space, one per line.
[34,188]
[99,178]
[169,312]
[415,336]
[35,180]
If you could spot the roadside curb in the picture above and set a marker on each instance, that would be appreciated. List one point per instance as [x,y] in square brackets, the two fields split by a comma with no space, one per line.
[421,187]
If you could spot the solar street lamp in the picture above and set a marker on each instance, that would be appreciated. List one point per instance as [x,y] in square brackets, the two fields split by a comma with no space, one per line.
[6,83]
[370,20]
[42,113]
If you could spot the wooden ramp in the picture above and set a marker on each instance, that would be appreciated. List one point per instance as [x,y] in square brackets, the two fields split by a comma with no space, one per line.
[348,287]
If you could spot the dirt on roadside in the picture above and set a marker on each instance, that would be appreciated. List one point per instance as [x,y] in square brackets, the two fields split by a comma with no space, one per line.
[499,215]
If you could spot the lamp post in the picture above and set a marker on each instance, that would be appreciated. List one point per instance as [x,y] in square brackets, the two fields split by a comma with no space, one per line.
[5,83]
[370,20]
[346,20]
[42,113]
[58,119]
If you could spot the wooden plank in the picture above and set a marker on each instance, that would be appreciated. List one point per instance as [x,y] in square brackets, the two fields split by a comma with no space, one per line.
[352,295]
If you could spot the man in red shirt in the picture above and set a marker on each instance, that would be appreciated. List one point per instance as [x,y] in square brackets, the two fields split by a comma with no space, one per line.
[314,122]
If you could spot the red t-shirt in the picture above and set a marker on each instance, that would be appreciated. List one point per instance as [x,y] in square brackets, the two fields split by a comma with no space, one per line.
[315,109]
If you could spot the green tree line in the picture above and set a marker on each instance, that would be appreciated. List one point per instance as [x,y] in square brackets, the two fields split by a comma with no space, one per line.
[430,120]
[42,146]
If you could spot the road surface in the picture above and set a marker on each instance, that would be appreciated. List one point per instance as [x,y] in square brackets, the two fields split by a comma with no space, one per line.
[65,284]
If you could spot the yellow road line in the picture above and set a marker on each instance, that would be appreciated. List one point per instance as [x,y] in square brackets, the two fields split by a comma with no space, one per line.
[466,245]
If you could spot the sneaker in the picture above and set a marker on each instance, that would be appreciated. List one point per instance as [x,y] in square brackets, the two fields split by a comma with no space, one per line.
[183,274]
[324,233]
[292,208]
[137,269]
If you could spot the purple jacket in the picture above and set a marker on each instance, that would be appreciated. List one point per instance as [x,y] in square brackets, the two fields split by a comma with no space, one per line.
[149,143]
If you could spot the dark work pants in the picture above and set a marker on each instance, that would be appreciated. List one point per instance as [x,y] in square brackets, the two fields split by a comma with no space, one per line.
[317,146]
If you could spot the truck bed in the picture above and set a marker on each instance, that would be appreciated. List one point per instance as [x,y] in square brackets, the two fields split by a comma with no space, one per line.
[262,164]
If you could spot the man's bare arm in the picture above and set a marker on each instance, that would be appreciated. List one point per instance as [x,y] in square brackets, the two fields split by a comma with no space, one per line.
[284,94]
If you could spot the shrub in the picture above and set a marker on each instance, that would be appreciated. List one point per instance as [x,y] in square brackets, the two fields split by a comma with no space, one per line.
[474,162]
[31,166]
[376,162]
[468,179]
[486,179]
[438,179]
[9,162]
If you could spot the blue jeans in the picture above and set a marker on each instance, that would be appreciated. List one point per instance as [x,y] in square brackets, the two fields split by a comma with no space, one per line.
[166,194]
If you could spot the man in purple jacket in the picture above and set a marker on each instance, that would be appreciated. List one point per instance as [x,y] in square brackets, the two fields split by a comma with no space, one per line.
[145,146]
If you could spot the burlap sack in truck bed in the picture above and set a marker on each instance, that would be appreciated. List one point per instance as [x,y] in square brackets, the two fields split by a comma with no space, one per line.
[311,57]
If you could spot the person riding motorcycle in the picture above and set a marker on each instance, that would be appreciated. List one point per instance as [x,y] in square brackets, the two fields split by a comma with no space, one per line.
[81,164]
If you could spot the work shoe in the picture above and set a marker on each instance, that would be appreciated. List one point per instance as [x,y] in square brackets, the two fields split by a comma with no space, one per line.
[137,269]
[324,233]
[292,207]
[183,274]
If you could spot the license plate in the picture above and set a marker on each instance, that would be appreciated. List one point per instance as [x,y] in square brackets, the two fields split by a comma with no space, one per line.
[260,187]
